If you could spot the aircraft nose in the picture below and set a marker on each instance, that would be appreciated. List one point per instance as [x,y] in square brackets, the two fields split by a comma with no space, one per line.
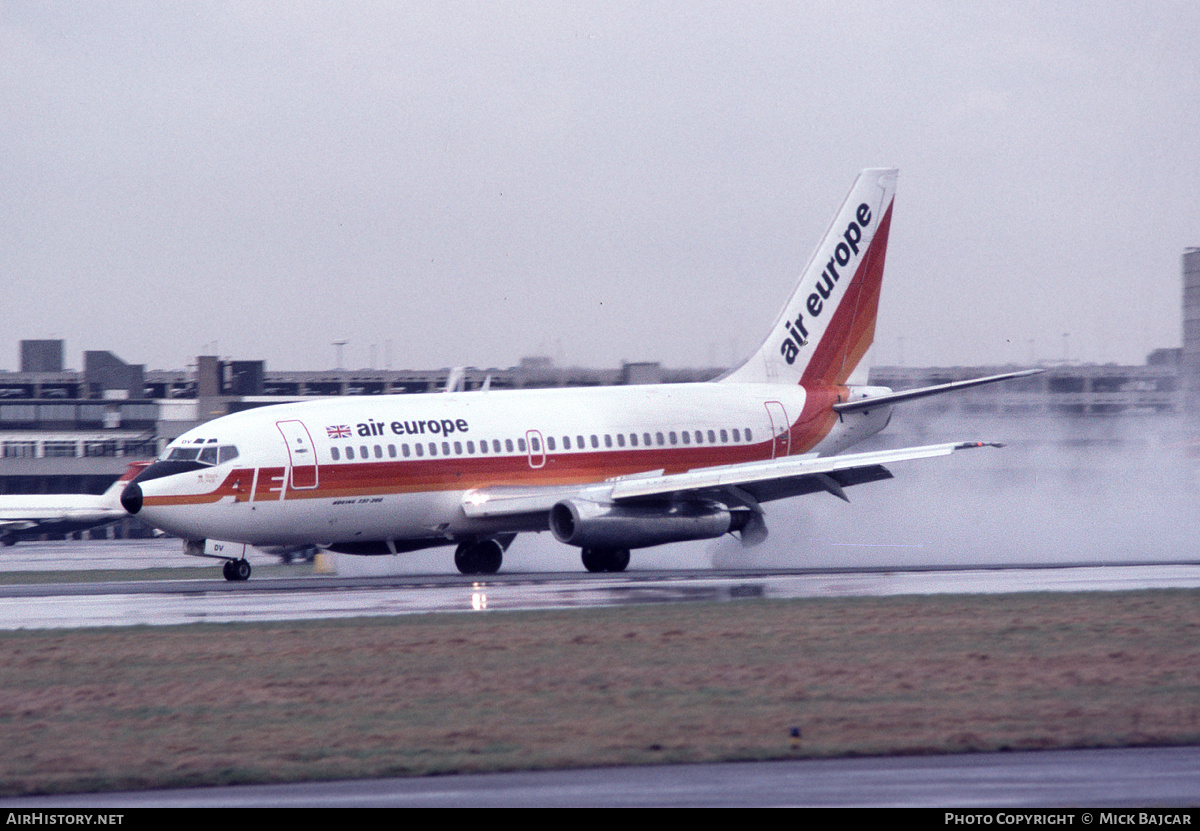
[131,498]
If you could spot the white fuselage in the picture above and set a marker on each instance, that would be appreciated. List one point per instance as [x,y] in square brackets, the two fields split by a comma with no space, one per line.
[397,467]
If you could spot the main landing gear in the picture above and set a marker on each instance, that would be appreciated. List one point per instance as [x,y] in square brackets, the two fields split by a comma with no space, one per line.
[479,557]
[236,571]
[605,559]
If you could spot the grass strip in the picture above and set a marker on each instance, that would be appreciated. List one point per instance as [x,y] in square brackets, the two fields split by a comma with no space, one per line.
[206,704]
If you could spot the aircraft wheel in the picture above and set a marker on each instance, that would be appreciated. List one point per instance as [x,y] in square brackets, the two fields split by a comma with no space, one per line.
[491,556]
[480,557]
[619,560]
[236,571]
[605,559]
[592,559]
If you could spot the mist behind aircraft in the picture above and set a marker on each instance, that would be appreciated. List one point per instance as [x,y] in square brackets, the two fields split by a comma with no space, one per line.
[1062,490]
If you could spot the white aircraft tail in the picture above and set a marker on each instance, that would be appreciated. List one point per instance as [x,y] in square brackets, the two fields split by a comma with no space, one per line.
[829,321]
[113,493]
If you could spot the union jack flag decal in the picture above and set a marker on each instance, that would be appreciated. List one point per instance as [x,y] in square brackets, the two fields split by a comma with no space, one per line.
[340,431]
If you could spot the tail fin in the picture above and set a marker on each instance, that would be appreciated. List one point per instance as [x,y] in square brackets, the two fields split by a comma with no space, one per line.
[829,321]
[114,490]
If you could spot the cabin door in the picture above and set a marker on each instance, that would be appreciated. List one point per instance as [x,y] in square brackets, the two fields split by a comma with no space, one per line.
[781,434]
[301,455]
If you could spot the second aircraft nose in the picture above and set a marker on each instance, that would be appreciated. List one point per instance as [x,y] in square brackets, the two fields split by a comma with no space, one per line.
[131,498]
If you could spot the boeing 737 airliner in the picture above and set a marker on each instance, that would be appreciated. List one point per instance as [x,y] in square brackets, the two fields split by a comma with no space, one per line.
[604,469]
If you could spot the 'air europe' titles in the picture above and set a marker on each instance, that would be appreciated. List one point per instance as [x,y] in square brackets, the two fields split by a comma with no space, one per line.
[796,333]
[373,427]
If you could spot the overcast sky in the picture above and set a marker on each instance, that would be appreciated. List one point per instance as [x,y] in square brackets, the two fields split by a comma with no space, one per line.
[446,184]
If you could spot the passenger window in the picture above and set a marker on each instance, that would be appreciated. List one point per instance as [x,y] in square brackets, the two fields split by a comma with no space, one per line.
[595,441]
[350,453]
[748,438]
[333,451]
[404,450]
[620,439]
[391,451]
[445,448]
[537,445]
[362,451]
[737,436]
[420,448]
[712,437]
[579,442]
[378,452]
[686,436]
[549,442]
[607,440]
[671,435]
[458,448]
[508,445]
[633,439]
[566,442]
[521,445]
[659,436]
[496,446]
[724,437]
[646,439]
[699,437]
[433,448]
[471,447]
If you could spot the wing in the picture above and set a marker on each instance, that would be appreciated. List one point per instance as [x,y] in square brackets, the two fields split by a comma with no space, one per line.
[741,485]
[8,526]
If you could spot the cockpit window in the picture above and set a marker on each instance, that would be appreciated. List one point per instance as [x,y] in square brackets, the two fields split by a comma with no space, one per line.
[211,454]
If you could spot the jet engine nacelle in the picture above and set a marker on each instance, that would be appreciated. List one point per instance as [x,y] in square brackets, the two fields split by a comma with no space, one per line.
[597,525]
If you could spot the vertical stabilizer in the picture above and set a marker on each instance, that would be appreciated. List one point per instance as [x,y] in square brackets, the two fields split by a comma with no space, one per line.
[829,321]
[113,493]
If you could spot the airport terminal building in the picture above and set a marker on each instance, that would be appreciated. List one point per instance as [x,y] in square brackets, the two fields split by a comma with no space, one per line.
[66,431]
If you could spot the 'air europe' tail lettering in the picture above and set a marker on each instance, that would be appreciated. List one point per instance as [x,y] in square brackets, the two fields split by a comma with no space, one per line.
[829,321]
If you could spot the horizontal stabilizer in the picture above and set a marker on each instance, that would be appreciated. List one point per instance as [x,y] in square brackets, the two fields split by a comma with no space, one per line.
[922,392]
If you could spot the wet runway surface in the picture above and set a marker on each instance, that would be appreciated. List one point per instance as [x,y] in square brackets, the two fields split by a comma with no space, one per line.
[200,595]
